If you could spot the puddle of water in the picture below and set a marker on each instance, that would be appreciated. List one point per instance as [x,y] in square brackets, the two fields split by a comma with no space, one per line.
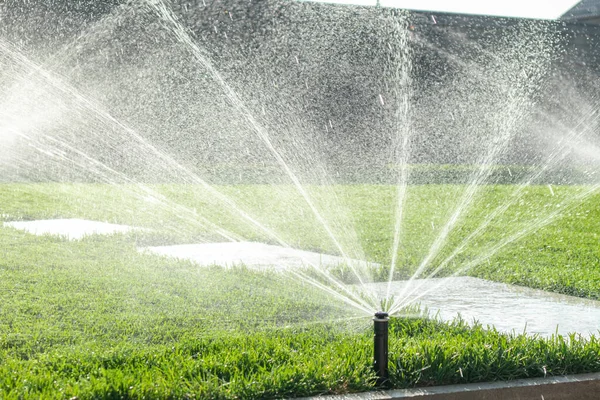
[72,229]
[509,308]
[250,254]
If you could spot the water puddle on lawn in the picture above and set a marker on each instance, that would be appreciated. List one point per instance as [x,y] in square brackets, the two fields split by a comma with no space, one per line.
[251,254]
[507,307]
[72,229]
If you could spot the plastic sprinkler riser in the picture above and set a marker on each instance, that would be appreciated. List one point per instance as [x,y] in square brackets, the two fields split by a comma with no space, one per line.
[380,359]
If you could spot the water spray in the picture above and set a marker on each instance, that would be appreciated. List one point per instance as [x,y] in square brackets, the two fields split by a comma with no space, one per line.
[380,359]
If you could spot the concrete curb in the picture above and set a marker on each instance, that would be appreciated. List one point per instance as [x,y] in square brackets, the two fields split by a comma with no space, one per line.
[572,387]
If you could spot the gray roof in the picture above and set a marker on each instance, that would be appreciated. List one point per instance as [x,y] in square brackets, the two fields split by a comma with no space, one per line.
[585,9]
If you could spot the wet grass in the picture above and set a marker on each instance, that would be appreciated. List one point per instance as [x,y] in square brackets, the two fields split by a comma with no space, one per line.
[96,319]
[561,256]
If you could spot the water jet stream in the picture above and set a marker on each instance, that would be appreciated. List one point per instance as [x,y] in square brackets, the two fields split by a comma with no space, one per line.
[402,75]
[553,159]
[517,100]
[104,116]
[571,202]
[163,12]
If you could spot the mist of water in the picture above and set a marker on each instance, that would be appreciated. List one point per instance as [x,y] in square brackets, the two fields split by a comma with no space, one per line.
[144,97]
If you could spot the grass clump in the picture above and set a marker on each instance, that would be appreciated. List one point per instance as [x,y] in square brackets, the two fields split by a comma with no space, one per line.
[291,362]
[254,365]
[431,353]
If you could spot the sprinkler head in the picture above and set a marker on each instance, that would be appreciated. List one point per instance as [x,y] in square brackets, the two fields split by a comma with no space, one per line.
[380,347]
[381,315]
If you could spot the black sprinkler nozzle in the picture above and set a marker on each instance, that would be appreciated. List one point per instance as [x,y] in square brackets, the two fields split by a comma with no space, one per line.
[381,315]
[380,360]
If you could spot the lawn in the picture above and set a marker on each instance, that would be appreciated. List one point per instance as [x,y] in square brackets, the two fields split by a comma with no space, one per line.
[97,319]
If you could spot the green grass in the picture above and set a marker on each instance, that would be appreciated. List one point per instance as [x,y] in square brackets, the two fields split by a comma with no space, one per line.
[562,256]
[96,319]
